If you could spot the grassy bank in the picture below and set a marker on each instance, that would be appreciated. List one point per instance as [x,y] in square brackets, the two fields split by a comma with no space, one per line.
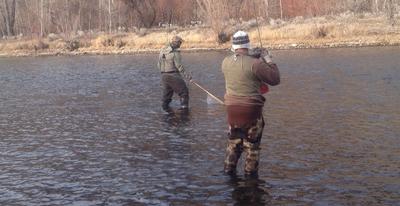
[346,30]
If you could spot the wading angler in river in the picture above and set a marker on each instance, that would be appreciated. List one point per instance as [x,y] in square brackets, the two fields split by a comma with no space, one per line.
[170,65]
[245,74]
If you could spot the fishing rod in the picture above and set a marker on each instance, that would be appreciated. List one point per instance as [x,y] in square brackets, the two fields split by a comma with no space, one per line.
[264,87]
[258,27]
[209,93]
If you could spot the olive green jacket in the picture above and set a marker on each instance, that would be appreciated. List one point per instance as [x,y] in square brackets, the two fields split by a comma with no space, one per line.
[244,76]
[239,77]
[170,60]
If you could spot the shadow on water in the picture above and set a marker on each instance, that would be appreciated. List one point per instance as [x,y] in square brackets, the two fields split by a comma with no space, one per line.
[249,191]
[175,118]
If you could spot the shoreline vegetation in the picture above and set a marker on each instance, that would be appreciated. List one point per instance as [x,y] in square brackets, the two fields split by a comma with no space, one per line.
[343,30]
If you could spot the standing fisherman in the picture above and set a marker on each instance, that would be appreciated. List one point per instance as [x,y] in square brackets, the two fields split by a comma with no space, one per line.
[244,76]
[170,65]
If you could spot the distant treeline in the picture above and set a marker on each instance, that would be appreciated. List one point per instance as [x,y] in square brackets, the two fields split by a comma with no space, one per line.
[42,17]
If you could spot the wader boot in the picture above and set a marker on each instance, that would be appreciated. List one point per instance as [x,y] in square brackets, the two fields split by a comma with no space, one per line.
[251,146]
[165,105]
[168,92]
[252,159]
[233,151]
[185,101]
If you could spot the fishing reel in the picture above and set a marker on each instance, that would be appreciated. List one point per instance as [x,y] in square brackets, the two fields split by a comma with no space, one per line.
[261,53]
[258,52]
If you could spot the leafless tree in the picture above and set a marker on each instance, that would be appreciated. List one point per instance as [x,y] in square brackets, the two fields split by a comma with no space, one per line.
[390,11]
[8,15]
[41,17]
[143,10]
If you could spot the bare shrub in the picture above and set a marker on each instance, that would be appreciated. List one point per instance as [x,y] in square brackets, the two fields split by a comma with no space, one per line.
[119,43]
[52,37]
[29,45]
[80,33]
[276,23]
[223,37]
[252,23]
[72,45]
[107,42]
[319,32]
[85,42]
[360,6]
[142,32]
[23,46]
[230,29]
[103,41]
[58,44]
[297,20]
[39,45]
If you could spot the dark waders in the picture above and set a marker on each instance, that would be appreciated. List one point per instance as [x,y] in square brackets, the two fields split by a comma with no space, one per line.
[174,83]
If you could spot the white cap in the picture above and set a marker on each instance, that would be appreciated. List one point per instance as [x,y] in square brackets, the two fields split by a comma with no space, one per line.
[240,40]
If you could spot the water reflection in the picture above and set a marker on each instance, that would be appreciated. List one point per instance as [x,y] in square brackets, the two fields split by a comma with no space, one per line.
[175,118]
[249,191]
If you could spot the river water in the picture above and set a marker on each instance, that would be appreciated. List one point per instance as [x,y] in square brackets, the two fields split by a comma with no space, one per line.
[89,130]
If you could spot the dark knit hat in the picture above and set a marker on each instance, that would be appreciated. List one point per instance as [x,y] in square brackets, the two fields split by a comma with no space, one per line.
[240,40]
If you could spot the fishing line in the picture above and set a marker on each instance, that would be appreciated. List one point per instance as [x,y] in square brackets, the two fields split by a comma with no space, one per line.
[209,94]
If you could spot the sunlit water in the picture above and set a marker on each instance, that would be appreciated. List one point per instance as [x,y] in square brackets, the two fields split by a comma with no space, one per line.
[89,131]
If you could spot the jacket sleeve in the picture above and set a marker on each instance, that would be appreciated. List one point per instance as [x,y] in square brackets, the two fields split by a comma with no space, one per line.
[267,72]
[179,66]
[178,61]
[160,60]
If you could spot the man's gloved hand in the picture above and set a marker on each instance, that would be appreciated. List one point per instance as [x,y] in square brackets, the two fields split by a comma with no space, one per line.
[261,53]
[256,52]
[188,77]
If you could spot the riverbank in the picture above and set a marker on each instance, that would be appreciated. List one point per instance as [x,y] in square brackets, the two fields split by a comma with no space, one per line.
[345,30]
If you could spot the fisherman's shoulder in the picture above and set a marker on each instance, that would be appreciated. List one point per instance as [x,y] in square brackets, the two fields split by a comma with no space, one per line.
[228,57]
[167,49]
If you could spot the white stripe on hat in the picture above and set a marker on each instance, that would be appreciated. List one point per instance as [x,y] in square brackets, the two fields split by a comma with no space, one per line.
[240,40]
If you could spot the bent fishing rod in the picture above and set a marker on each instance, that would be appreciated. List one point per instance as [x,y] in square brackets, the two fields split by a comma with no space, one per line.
[209,93]
[258,27]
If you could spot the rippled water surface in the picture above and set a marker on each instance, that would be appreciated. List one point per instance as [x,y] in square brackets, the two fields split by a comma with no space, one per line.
[89,131]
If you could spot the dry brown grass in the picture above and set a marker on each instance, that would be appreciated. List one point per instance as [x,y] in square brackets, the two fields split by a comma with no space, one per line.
[32,44]
[323,30]
[330,30]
